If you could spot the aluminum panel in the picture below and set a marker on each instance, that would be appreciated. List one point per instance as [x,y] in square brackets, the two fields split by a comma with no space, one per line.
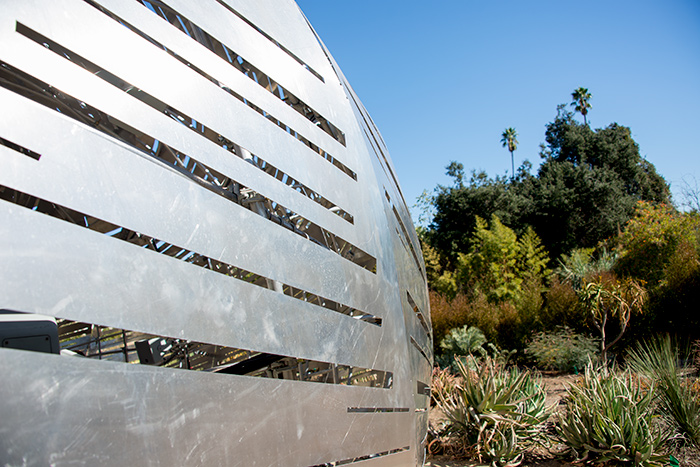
[221,70]
[161,416]
[268,57]
[279,148]
[166,297]
[283,22]
[173,200]
[118,239]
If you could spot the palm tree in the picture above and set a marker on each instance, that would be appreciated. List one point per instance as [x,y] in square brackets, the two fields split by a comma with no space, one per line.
[509,140]
[581,97]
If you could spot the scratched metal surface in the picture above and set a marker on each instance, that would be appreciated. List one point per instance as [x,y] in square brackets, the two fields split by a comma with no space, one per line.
[61,410]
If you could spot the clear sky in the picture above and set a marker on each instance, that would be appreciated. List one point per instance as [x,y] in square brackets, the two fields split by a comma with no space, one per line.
[443,79]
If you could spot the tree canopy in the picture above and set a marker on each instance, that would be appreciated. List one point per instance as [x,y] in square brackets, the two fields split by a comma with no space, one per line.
[584,191]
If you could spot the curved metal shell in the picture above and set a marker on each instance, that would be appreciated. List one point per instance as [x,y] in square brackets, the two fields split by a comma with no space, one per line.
[197,208]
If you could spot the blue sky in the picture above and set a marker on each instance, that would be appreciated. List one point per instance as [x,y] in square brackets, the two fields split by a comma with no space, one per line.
[443,79]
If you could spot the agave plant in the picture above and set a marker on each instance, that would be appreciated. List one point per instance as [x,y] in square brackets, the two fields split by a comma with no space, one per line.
[443,383]
[494,412]
[678,397]
[608,417]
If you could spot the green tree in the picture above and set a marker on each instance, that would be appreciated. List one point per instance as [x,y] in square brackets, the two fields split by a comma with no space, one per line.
[456,170]
[580,97]
[588,184]
[509,140]
[440,279]
[661,246]
[491,266]
[584,192]
[457,207]
[499,263]
[532,257]
[652,238]
[425,206]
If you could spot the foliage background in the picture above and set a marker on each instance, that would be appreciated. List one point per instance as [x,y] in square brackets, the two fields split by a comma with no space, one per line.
[516,256]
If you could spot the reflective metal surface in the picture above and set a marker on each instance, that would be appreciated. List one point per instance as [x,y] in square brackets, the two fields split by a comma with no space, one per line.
[194,195]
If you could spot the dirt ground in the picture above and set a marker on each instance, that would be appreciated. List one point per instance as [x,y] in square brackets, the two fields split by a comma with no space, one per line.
[556,389]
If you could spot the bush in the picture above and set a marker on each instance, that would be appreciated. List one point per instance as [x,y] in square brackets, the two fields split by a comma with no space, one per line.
[500,322]
[679,398]
[562,350]
[469,341]
[563,307]
[608,417]
[463,341]
[447,314]
[494,413]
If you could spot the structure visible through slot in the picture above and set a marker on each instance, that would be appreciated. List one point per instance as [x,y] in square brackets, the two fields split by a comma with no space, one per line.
[168,249]
[89,340]
[20,149]
[287,129]
[405,233]
[423,389]
[271,39]
[242,65]
[209,178]
[420,350]
[363,458]
[419,314]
